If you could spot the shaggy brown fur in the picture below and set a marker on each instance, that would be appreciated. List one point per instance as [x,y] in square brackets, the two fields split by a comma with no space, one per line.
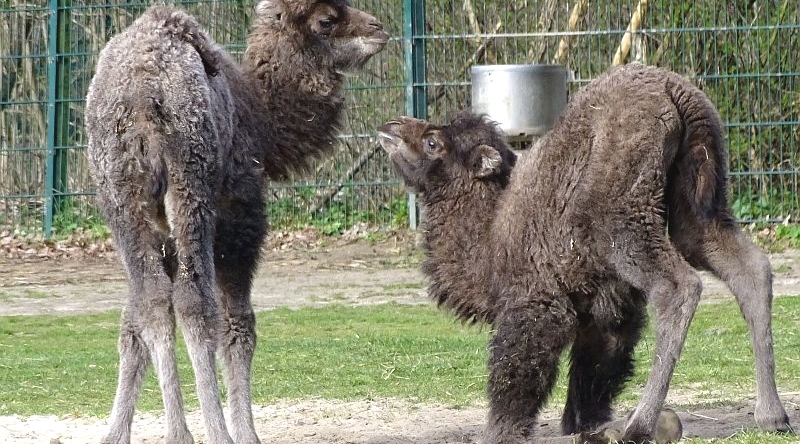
[571,245]
[181,142]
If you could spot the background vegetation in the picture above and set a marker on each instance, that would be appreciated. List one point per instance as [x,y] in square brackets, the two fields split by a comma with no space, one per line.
[741,52]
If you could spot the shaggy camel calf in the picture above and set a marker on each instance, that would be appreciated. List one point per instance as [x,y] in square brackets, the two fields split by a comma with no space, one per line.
[182,141]
[611,211]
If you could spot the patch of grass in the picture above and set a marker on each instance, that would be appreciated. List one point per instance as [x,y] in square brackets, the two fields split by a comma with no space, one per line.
[748,437]
[68,364]
[75,214]
[782,269]
[26,293]
[62,365]
[377,236]
[328,297]
[405,286]
[347,210]
[35,294]
[788,234]
[775,238]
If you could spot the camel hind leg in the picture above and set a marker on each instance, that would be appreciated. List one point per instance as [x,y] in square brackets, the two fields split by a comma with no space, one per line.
[134,358]
[722,248]
[240,232]
[191,208]
[651,264]
[148,323]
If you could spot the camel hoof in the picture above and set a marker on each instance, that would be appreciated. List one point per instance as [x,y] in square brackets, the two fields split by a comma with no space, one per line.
[774,423]
[612,435]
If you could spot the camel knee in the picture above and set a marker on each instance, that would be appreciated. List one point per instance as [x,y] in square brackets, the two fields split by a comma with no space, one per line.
[239,336]
[131,343]
[761,272]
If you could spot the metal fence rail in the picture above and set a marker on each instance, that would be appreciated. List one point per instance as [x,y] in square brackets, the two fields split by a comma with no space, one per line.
[743,54]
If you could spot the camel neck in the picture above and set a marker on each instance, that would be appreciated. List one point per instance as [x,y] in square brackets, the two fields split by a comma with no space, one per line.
[456,239]
[298,107]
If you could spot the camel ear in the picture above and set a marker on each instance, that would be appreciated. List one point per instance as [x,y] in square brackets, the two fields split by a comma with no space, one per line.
[486,161]
[271,11]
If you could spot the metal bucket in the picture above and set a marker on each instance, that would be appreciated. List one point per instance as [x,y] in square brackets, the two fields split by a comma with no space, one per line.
[524,99]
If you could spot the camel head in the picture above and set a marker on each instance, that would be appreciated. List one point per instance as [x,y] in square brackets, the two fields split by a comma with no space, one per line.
[470,149]
[345,35]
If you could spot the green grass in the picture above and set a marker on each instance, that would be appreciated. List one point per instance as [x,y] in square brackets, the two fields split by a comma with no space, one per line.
[36,294]
[782,269]
[67,364]
[748,437]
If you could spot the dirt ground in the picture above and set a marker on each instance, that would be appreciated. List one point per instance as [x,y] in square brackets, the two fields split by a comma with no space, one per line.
[344,272]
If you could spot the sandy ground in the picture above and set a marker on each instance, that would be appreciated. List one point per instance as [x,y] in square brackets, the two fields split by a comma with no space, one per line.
[346,273]
[374,422]
[354,273]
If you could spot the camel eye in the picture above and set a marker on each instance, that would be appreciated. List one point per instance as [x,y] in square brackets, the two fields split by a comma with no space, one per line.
[326,24]
[430,145]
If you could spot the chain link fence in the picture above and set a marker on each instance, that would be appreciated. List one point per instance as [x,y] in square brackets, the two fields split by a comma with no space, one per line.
[742,53]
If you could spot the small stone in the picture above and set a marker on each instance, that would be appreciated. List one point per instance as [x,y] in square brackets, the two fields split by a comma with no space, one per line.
[669,427]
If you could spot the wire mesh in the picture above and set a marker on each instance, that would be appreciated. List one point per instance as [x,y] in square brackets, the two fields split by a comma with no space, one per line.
[23,103]
[742,53]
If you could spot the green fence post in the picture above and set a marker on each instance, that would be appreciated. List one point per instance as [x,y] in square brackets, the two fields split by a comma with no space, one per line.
[57,111]
[51,118]
[415,67]
[63,140]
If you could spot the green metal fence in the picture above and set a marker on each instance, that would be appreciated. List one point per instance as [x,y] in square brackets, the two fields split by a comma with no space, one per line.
[742,53]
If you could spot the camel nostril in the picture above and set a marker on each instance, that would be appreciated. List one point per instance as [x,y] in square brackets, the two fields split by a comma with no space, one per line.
[377,25]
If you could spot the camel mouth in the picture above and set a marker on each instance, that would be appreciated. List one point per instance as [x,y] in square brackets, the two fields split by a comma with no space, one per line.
[374,44]
[403,167]
[354,53]
[379,40]
[389,142]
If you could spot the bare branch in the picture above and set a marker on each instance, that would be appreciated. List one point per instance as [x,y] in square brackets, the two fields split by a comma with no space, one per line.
[323,197]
